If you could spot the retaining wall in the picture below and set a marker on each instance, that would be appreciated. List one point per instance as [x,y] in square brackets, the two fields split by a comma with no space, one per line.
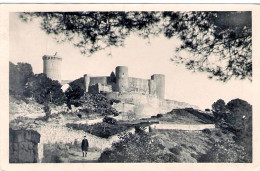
[23,146]
[167,126]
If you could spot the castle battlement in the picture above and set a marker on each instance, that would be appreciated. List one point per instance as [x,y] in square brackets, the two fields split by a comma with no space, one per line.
[45,57]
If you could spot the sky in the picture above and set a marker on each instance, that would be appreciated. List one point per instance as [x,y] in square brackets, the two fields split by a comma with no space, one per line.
[28,43]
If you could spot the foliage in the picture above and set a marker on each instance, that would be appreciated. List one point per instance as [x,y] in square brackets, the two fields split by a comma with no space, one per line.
[240,113]
[18,77]
[74,92]
[135,148]
[238,120]
[176,150]
[226,152]
[44,90]
[109,120]
[25,84]
[219,106]
[207,131]
[219,43]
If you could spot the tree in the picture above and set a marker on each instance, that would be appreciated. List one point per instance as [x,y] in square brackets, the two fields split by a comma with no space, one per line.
[240,114]
[44,90]
[18,77]
[219,43]
[219,106]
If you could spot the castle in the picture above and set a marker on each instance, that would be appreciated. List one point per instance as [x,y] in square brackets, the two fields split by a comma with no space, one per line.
[117,82]
[145,97]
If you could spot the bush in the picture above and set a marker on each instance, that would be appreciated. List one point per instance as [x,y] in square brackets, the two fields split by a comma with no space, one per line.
[218,134]
[109,120]
[193,155]
[135,148]
[44,90]
[193,148]
[219,106]
[227,152]
[176,150]
[159,115]
[139,129]
[207,131]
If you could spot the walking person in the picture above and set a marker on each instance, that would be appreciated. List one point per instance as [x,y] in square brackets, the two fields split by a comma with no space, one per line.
[84,146]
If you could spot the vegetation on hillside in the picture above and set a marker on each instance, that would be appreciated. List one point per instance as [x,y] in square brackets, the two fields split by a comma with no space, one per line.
[236,117]
[228,143]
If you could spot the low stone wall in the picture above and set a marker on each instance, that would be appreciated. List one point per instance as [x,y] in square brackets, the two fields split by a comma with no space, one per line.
[23,146]
[167,126]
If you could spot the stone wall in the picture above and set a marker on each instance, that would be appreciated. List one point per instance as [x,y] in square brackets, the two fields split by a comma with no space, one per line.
[138,85]
[97,88]
[23,146]
[145,105]
[96,80]
[169,126]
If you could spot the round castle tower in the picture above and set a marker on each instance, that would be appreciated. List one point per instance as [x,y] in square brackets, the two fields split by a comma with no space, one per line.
[121,78]
[52,67]
[158,82]
[86,82]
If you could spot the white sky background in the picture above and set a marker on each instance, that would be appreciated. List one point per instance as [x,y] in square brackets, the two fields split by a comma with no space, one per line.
[28,43]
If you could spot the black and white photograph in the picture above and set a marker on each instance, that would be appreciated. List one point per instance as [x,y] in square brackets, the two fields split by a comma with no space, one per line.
[122,85]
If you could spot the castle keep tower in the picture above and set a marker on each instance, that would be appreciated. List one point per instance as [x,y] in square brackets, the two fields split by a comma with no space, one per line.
[86,82]
[159,81]
[121,78]
[52,67]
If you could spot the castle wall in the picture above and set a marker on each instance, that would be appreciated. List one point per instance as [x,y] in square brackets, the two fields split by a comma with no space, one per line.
[145,105]
[97,88]
[52,67]
[138,85]
[101,80]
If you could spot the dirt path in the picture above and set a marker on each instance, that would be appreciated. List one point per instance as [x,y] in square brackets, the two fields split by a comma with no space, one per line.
[76,157]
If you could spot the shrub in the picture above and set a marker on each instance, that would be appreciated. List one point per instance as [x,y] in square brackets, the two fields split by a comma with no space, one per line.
[162,147]
[193,148]
[109,120]
[226,151]
[218,134]
[193,155]
[219,106]
[159,115]
[135,148]
[184,145]
[176,150]
[207,131]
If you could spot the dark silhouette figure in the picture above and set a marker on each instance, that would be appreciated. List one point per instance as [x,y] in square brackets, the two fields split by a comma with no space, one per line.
[84,146]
